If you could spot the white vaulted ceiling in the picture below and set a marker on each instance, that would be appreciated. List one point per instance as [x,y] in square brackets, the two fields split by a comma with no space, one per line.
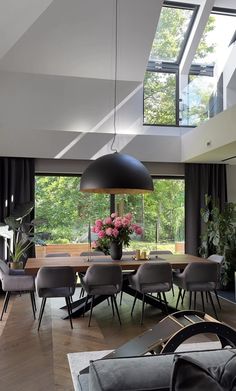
[57,79]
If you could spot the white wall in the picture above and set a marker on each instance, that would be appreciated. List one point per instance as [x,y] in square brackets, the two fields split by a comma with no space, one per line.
[218,132]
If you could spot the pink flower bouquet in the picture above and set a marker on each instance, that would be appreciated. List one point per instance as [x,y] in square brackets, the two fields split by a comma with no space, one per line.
[114,229]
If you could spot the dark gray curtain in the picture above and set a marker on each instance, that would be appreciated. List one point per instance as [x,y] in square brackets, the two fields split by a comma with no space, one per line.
[16,187]
[201,179]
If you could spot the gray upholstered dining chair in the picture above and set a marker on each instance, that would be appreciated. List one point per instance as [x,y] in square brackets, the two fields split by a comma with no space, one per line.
[15,281]
[103,280]
[151,277]
[219,259]
[159,252]
[52,255]
[56,281]
[92,253]
[198,277]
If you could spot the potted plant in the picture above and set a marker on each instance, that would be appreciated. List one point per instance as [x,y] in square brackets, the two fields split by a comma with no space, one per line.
[220,236]
[113,232]
[23,234]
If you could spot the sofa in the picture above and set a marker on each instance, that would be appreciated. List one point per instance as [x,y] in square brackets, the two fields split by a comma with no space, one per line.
[202,370]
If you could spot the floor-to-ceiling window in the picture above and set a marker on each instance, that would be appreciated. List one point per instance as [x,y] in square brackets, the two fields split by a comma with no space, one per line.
[65,213]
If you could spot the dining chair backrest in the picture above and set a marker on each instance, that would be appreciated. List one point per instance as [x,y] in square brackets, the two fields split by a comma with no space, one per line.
[104,275]
[216,258]
[201,272]
[153,252]
[129,252]
[154,273]
[91,253]
[52,255]
[55,277]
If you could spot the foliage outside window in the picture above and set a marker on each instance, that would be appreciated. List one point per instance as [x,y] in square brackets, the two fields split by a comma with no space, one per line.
[196,99]
[159,98]
[170,34]
[68,211]
[160,214]
[161,93]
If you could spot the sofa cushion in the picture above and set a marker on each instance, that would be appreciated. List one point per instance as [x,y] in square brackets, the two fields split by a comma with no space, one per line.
[191,374]
[146,373]
[133,374]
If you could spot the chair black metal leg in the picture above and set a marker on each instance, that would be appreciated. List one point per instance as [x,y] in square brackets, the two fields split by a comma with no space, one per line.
[143,303]
[135,298]
[190,299]
[85,304]
[7,301]
[206,297]
[165,301]
[112,306]
[91,311]
[217,298]
[183,295]
[108,301]
[5,304]
[121,297]
[68,303]
[173,292]
[81,292]
[178,299]
[194,300]
[203,304]
[44,299]
[33,297]
[32,302]
[113,298]
[212,304]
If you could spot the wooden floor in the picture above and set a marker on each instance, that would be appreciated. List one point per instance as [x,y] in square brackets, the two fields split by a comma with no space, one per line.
[37,361]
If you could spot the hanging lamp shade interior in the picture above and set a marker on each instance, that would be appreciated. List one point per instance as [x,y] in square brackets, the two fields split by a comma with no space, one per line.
[116,173]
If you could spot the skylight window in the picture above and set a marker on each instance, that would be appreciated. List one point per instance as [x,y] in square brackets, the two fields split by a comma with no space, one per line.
[214,44]
[172,31]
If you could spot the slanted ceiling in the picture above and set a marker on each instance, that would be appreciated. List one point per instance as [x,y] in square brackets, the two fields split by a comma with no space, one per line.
[57,74]
[57,79]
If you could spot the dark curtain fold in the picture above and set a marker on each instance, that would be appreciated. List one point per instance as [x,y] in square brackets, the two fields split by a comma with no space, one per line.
[16,187]
[201,179]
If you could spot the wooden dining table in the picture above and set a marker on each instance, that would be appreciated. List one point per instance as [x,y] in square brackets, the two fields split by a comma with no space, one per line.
[128,264]
[81,263]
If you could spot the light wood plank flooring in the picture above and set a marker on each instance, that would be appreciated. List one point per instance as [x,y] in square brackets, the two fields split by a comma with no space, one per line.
[37,361]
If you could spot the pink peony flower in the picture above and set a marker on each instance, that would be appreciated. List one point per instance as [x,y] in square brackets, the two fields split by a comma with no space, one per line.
[97,229]
[117,223]
[115,232]
[109,231]
[128,216]
[107,220]
[138,230]
[99,223]
[101,234]
[113,215]
[125,222]
[93,229]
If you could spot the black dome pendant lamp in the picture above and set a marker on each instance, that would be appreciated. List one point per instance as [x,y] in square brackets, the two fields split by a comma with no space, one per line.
[116,173]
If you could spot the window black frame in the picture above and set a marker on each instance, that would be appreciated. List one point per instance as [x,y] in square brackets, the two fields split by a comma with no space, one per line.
[168,70]
[171,67]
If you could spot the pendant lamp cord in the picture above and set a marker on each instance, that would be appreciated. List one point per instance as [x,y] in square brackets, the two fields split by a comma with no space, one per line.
[115,76]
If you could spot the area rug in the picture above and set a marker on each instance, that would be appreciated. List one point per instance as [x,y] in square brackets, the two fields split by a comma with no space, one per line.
[79,361]
[227,295]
